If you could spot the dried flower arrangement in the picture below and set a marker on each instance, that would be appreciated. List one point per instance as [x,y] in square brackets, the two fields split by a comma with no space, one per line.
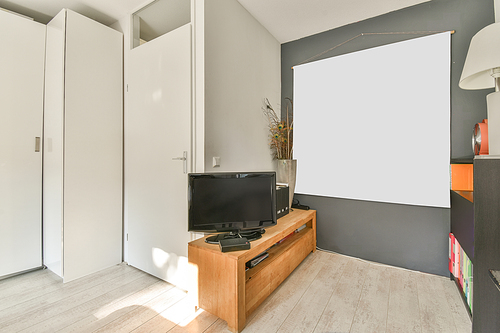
[281,131]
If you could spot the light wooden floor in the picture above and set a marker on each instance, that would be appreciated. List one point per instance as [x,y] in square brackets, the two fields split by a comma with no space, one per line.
[326,293]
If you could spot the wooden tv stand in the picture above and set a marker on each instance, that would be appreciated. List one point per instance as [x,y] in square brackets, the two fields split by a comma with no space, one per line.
[226,290]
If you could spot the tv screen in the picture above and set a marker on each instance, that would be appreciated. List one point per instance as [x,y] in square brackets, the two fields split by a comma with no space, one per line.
[231,202]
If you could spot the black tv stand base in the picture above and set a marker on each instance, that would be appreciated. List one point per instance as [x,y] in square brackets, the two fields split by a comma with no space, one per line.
[249,235]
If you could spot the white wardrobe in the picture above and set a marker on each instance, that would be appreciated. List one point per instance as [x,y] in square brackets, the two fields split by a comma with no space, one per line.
[21,94]
[83,146]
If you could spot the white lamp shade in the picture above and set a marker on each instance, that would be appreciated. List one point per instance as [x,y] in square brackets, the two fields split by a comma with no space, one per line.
[483,55]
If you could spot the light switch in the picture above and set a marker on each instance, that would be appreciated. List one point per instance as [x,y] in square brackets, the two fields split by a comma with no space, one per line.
[216,162]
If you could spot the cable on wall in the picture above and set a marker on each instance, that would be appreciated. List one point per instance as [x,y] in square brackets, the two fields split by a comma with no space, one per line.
[373,33]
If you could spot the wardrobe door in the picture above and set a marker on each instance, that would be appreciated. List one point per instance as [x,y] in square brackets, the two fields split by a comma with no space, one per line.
[93,111]
[21,94]
[84,134]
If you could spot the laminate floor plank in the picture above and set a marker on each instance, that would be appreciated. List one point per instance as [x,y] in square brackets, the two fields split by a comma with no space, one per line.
[199,322]
[116,310]
[219,326]
[22,279]
[64,290]
[371,313]
[48,311]
[28,294]
[403,314]
[338,314]
[435,313]
[145,312]
[305,315]
[64,319]
[271,314]
[168,319]
[30,299]
[27,283]
[458,310]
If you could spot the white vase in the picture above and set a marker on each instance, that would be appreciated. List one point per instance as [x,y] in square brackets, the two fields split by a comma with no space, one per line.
[286,173]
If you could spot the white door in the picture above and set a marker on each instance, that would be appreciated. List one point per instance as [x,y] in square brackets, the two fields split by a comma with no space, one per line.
[22,58]
[157,137]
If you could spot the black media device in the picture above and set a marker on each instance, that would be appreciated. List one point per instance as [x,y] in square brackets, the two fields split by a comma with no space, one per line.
[234,204]
[234,244]
[282,201]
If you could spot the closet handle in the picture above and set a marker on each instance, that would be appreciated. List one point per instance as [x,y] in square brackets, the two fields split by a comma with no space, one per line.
[37,144]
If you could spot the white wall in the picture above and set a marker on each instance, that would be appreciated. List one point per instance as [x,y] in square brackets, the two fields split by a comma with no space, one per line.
[198,40]
[242,67]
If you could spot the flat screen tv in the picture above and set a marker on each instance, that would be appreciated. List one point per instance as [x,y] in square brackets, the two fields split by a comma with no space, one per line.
[236,204]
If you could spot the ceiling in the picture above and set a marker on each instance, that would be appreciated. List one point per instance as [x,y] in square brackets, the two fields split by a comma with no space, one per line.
[104,11]
[286,20]
[289,20]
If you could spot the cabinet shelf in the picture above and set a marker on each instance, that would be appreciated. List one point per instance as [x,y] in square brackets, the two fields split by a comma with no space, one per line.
[275,251]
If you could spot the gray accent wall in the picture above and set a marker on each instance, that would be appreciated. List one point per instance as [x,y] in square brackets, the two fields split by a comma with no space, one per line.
[411,237]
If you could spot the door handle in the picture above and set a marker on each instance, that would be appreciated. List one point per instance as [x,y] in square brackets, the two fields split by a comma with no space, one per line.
[184,159]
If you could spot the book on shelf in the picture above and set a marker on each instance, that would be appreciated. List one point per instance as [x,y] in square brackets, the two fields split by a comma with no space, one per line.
[286,237]
[451,253]
[460,265]
[257,260]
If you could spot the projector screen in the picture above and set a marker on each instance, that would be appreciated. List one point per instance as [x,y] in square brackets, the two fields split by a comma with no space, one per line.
[375,124]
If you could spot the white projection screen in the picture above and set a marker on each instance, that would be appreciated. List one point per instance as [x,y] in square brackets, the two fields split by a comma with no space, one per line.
[375,124]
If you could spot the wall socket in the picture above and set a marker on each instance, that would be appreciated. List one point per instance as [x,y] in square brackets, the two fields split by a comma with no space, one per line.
[216,162]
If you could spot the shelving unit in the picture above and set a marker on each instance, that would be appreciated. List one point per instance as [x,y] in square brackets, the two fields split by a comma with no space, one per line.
[226,289]
[462,228]
[475,223]
[486,299]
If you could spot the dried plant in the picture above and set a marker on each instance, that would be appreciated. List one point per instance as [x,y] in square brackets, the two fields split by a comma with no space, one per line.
[281,131]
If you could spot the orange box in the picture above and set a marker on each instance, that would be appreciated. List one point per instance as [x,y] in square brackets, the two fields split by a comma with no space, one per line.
[462,177]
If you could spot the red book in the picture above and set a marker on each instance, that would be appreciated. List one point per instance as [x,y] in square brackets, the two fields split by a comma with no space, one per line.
[457,260]
[451,253]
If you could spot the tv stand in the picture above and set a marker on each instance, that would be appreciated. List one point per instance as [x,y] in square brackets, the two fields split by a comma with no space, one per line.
[226,289]
[250,235]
